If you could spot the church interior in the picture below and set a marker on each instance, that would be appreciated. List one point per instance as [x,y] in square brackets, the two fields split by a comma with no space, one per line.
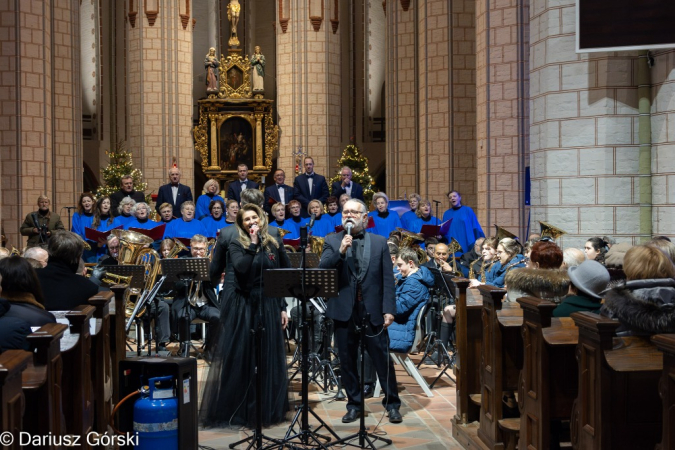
[498,100]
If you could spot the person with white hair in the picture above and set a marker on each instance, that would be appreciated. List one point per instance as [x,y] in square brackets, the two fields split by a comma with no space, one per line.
[572,257]
[39,254]
[346,185]
[125,213]
[141,217]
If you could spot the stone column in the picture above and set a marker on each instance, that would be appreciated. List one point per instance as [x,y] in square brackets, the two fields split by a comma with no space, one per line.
[159,91]
[41,114]
[308,85]
[663,143]
[584,134]
[502,96]
[402,102]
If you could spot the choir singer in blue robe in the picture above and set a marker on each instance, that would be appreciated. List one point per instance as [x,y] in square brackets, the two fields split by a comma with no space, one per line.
[185,226]
[203,207]
[216,220]
[464,226]
[385,220]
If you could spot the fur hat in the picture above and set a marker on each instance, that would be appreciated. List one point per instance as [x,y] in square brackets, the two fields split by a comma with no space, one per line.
[590,277]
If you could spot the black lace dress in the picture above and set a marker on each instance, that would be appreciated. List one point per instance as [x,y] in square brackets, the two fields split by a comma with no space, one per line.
[229,393]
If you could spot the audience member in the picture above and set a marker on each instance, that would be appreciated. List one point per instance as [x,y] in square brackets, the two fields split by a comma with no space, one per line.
[38,254]
[587,281]
[20,285]
[39,225]
[572,257]
[542,278]
[596,249]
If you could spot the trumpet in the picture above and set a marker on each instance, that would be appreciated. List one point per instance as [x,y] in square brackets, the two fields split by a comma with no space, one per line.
[109,278]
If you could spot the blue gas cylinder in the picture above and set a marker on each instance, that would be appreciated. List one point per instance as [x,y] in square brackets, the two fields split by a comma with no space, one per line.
[156,416]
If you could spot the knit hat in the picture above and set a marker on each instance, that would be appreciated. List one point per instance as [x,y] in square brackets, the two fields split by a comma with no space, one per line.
[590,277]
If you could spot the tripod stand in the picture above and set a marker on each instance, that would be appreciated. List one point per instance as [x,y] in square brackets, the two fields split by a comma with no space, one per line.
[362,434]
[303,284]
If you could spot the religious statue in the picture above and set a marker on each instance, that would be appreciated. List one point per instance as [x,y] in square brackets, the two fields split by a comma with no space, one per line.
[233,9]
[211,65]
[258,66]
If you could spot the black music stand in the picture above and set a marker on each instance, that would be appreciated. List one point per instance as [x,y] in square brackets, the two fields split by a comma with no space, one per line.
[311,260]
[434,344]
[186,270]
[449,362]
[303,284]
[137,274]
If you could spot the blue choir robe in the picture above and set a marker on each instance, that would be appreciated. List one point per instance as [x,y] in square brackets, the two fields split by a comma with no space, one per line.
[464,227]
[202,206]
[323,225]
[384,225]
[183,229]
[101,250]
[336,218]
[282,225]
[408,218]
[212,225]
[146,224]
[416,226]
[124,221]
[80,221]
[293,225]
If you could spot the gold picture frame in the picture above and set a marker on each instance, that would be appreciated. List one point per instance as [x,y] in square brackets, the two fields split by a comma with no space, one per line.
[235,77]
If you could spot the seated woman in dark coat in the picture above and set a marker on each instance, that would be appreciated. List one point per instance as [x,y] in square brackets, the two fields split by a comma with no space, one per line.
[587,281]
[412,293]
[21,287]
[542,278]
[645,302]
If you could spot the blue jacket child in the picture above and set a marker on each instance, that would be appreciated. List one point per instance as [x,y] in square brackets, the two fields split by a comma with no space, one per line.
[412,293]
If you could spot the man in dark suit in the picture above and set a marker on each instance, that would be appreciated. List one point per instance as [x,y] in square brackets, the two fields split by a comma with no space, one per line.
[347,186]
[126,190]
[64,289]
[361,256]
[242,184]
[173,193]
[279,192]
[309,186]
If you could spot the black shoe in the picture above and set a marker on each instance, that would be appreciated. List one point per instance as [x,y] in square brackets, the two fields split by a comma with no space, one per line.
[352,416]
[394,416]
[368,391]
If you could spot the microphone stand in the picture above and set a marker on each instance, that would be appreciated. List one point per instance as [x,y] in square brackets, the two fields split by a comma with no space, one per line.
[438,233]
[70,226]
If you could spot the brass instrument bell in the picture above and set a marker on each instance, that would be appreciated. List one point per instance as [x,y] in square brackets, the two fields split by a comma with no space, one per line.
[503,233]
[548,230]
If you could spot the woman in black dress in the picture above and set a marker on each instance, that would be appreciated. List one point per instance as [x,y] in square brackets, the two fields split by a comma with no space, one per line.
[229,394]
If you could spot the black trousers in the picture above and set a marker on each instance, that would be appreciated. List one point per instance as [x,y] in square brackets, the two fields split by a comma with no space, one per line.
[162,318]
[207,313]
[377,345]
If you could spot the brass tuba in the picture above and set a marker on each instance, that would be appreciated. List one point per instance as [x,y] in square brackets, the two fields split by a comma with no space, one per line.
[178,248]
[411,240]
[548,230]
[133,251]
[131,244]
[282,233]
[504,233]
[316,244]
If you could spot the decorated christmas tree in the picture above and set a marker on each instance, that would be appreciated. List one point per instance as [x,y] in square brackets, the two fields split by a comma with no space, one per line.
[352,158]
[121,164]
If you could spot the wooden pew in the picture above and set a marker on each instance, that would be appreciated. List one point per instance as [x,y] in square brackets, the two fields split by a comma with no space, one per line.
[12,401]
[41,382]
[618,405]
[666,343]
[549,379]
[500,363]
[118,338]
[78,401]
[469,336]
[101,360]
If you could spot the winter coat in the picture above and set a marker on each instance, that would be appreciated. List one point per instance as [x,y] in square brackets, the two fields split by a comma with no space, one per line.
[412,293]
[13,330]
[546,284]
[495,276]
[25,307]
[576,303]
[643,307]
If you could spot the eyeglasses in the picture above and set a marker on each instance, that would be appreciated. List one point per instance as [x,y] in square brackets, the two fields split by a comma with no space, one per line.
[351,213]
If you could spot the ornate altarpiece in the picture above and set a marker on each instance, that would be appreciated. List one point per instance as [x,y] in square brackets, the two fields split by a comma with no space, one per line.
[234,126]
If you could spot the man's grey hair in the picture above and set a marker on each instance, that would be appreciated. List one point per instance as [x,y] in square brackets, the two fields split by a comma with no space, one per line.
[254,196]
[364,208]
[35,253]
[348,168]
[67,247]
[111,237]
[572,257]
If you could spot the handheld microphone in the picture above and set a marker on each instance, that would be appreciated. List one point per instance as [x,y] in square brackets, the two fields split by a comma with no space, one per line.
[348,227]
[311,220]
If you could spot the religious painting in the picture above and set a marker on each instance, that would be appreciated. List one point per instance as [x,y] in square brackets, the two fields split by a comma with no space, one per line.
[235,77]
[236,143]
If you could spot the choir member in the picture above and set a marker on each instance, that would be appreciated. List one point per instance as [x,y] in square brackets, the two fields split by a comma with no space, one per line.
[385,220]
[203,208]
[186,226]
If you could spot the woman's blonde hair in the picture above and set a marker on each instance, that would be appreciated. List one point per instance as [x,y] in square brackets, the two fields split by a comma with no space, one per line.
[309,206]
[244,238]
[511,246]
[644,262]
[209,183]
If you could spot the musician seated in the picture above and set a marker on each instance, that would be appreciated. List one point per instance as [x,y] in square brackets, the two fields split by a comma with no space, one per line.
[113,252]
[216,220]
[198,302]
[187,226]
[430,247]
[470,261]
[63,289]
[489,258]
[166,247]
[322,225]
[125,215]
[385,221]
[412,293]
[440,262]
[508,252]
[141,219]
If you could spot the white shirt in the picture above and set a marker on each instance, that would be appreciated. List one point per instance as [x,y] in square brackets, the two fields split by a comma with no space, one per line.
[174,191]
[282,194]
[310,181]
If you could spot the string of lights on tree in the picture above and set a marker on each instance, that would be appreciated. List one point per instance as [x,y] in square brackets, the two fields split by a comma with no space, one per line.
[352,158]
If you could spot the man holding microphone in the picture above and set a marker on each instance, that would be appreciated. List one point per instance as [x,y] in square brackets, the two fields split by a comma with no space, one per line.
[360,256]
